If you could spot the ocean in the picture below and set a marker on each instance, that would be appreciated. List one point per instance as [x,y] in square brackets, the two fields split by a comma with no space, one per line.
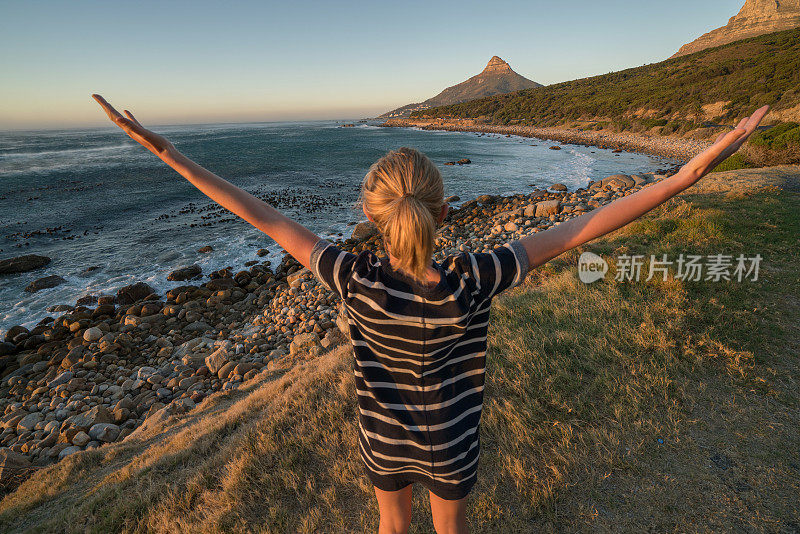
[95,198]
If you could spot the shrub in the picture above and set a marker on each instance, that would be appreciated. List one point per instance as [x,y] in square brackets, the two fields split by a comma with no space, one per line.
[779,136]
[737,161]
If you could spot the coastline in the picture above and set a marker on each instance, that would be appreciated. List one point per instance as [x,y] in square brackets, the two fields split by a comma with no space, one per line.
[549,370]
[95,372]
[676,148]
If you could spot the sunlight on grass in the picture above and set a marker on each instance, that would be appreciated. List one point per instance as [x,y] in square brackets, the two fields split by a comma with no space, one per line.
[603,406]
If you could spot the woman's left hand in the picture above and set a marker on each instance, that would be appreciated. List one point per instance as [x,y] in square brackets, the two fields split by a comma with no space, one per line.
[153,142]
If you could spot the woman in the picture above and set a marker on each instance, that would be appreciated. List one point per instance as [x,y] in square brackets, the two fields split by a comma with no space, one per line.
[418,327]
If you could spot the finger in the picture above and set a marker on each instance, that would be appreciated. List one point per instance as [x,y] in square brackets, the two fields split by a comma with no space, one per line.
[749,126]
[755,118]
[722,135]
[730,149]
[112,113]
[741,139]
[131,117]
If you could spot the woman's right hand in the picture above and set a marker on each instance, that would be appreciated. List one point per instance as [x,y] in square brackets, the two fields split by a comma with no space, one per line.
[153,142]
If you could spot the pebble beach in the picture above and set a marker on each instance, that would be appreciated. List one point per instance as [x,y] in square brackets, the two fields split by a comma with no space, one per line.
[672,147]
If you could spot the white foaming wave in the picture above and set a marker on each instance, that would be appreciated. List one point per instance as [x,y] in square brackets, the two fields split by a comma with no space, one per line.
[82,151]
[582,165]
[76,160]
[29,308]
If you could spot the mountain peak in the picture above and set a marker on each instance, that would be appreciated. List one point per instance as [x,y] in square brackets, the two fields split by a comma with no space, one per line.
[497,78]
[496,65]
[756,17]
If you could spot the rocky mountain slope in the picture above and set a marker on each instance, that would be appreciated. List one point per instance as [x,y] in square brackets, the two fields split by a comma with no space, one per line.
[497,78]
[717,86]
[757,17]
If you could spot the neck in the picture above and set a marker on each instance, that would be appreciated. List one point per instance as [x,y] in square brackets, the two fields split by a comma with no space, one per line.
[431,275]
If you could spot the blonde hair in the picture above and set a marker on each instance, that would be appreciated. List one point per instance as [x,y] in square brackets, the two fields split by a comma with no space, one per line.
[404,195]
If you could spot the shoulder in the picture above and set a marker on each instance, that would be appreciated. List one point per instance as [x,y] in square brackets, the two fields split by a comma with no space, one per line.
[500,267]
[334,266]
[462,262]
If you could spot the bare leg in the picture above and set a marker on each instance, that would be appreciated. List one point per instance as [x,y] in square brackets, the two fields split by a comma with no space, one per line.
[395,508]
[449,517]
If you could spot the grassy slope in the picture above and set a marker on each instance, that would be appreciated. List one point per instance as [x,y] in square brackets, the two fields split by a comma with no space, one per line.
[746,74]
[583,382]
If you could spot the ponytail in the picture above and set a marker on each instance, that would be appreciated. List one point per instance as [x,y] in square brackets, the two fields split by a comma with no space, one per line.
[403,193]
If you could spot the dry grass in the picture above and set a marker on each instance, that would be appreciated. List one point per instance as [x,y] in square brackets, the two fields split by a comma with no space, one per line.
[659,406]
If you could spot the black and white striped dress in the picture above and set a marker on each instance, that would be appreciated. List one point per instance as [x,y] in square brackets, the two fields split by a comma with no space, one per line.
[420,355]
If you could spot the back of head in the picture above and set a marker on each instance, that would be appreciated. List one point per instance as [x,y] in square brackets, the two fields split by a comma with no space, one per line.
[404,194]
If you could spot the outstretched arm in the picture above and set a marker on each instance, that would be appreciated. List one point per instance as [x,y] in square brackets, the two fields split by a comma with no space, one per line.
[544,246]
[295,238]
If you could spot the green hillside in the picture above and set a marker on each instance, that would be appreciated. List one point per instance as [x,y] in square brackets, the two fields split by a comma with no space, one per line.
[712,86]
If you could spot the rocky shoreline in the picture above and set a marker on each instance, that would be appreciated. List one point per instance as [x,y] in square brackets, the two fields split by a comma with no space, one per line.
[669,147]
[94,373]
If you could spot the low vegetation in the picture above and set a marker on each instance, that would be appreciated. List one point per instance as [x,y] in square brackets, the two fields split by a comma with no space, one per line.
[714,85]
[693,94]
[616,406]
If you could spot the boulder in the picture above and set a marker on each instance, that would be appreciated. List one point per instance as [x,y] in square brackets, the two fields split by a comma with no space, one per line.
[29,422]
[92,334]
[185,273]
[44,283]
[618,181]
[105,432]
[6,348]
[62,378]
[81,439]
[296,277]
[558,187]
[21,264]
[218,284]
[86,420]
[226,370]
[133,292]
[86,300]
[364,230]
[547,208]
[104,309]
[10,420]
[243,368]
[529,210]
[68,451]
[14,331]
[216,360]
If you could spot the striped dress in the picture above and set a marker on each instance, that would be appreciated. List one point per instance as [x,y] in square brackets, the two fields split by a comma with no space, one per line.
[420,355]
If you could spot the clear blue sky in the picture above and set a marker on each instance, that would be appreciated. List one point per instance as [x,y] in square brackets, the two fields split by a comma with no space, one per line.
[190,62]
